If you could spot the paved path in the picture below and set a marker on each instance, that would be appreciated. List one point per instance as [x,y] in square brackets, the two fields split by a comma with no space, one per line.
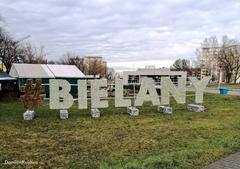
[215,91]
[230,162]
[233,93]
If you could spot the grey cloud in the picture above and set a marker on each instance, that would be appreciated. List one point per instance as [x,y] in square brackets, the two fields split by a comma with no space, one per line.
[120,30]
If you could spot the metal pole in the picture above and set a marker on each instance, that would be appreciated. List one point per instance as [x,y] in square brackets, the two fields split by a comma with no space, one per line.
[220,79]
[134,91]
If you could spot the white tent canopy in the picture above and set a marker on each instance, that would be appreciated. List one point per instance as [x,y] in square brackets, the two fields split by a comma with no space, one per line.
[68,71]
[45,71]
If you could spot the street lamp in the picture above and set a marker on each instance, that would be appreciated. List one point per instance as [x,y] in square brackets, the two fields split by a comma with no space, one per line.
[220,76]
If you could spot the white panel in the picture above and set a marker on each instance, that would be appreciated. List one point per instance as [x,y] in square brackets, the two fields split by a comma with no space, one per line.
[31,71]
[68,71]
[13,71]
[47,70]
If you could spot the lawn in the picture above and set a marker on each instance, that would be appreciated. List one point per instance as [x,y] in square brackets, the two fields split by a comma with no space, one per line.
[183,140]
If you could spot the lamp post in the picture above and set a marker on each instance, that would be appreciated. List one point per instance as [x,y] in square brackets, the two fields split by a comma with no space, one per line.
[220,77]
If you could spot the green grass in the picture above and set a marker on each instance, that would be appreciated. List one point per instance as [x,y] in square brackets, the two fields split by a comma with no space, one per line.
[183,140]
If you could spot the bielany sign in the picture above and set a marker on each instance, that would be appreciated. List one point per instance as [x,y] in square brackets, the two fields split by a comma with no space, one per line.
[60,97]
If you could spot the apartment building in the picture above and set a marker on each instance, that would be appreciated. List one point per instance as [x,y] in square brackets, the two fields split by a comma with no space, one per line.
[210,65]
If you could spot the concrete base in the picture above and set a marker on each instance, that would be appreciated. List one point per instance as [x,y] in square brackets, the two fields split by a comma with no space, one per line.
[29,115]
[95,113]
[164,109]
[195,108]
[133,111]
[63,114]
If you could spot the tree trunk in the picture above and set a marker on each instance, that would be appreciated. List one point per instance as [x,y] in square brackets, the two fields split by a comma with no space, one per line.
[229,76]
[235,78]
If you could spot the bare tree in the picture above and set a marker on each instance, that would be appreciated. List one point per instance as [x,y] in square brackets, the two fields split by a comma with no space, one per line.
[30,54]
[40,57]
[91,67]
[12,51]
[95,68]
[9,50]
[229,59]
[181,65]
[72,59]
[211,42]
[184,65]
[110,74]
[51,62]
[197,63]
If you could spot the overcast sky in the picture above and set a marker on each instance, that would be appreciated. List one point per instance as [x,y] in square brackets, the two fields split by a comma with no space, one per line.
[128,33]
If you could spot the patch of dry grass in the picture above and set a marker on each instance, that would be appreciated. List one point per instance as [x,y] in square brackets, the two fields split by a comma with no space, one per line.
[116,140]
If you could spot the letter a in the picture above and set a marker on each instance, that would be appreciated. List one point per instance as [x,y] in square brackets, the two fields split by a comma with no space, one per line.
[147,85]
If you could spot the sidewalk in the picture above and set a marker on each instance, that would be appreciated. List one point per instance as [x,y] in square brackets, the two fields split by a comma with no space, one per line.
[230,162]
[214,91]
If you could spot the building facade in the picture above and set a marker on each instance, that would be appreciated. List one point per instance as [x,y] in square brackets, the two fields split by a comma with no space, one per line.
[135,77]
[210,65]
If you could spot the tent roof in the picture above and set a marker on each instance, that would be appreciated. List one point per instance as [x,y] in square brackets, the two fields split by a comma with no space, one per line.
[30,71]
[69,71]
[45,71]
[5,76]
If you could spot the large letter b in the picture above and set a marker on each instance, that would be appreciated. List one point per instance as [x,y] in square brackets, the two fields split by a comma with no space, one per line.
[60,98]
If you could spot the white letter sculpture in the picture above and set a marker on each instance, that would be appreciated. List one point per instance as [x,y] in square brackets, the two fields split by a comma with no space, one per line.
[82,94]
[147,85]
[97,93]
[199,85]
[119,101]
[60,98]
[167,87]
